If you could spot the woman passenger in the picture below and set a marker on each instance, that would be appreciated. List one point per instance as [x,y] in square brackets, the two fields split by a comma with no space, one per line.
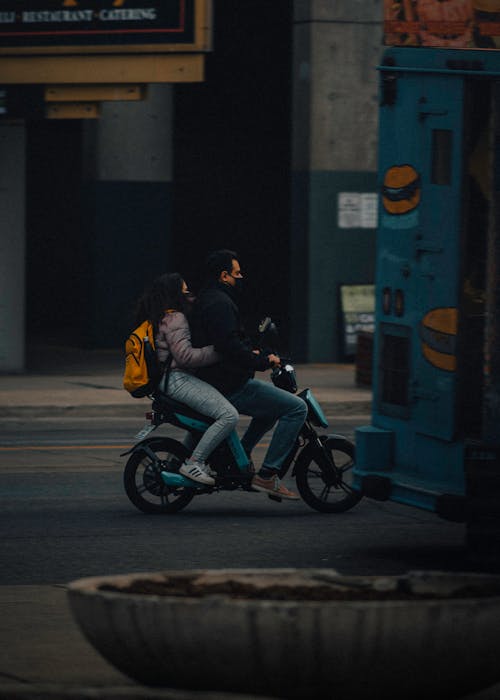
[166,305]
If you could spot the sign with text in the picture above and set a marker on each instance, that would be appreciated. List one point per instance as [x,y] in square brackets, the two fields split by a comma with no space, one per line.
[357,302]
[74,25]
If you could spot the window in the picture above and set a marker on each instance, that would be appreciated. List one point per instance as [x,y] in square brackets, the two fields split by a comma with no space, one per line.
[394,397]
[442,147]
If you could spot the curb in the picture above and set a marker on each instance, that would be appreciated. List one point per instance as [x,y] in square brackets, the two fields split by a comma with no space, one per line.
[58,691]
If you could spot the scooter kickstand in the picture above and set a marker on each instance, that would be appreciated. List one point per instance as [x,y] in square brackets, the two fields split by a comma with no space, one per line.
[274,498]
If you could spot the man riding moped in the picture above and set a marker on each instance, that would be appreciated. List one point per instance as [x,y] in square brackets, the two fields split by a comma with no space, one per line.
[216,321]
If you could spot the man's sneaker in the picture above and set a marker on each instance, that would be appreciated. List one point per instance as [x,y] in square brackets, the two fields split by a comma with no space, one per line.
[273,487]
[196,471]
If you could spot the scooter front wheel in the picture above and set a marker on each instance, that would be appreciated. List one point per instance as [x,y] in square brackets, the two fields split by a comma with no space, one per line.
[142,477]
[315,484]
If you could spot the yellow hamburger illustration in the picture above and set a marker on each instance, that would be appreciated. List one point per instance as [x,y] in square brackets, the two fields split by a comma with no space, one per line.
[401,189]
[487,20]
[438,333]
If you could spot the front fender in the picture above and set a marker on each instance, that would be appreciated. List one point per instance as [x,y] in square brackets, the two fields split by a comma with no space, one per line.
[313,451]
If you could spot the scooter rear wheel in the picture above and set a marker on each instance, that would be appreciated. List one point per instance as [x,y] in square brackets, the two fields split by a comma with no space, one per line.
[314,485]
[142,477]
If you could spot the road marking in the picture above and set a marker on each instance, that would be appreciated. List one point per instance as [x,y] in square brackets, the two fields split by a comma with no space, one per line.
[19,448]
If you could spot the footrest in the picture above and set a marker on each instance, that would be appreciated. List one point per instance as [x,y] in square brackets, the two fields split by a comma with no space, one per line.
[274,498]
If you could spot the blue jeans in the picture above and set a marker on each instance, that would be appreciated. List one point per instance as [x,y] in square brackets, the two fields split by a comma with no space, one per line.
[268,404]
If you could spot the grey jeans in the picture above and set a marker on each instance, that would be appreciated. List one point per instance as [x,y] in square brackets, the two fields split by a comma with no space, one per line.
[205,399]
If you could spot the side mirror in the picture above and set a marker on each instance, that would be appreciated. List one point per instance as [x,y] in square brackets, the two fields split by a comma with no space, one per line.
[264,324]
[268,332]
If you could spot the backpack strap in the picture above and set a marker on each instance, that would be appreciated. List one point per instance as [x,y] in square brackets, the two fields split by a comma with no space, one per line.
[166,371]
[167,364]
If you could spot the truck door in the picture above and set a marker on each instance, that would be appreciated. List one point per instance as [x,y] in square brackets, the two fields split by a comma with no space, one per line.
[419,249]
[436,256]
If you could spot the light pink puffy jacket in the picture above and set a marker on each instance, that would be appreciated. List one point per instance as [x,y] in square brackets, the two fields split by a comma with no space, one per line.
[174,337]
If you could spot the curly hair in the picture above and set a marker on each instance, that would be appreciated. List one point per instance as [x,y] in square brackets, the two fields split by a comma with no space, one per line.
[164,293]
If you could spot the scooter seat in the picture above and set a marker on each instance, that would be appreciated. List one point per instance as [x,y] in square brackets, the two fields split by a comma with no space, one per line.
[165,404]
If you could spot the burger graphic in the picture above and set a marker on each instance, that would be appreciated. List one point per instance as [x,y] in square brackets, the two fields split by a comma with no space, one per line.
[445,22]
[401,189]
[431,22]
[438,335]
[486,19]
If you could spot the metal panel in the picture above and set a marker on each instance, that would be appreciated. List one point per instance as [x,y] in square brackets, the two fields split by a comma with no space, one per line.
[102,69]
[72,110]
[420,237]
[94,93]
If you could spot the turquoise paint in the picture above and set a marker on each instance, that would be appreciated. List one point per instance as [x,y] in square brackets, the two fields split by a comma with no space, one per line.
[318,417]
[192,423]
[418,446]
[233,440]
[239,453]
[178,481]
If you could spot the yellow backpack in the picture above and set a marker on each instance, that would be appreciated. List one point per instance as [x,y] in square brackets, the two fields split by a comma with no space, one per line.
[143,371]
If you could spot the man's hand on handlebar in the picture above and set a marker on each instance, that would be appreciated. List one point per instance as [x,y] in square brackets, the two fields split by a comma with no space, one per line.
[274,360]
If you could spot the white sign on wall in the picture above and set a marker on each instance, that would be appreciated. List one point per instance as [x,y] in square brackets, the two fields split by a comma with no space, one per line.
[357,210]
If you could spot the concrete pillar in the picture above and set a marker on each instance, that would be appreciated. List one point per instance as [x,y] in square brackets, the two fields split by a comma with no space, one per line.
[134,139]
[128,184]
[12,246]
[336,49]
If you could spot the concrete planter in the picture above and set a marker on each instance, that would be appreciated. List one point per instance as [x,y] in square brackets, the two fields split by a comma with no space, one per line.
[297,633]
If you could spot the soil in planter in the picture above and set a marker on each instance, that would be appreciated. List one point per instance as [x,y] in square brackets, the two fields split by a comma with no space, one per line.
[314,589]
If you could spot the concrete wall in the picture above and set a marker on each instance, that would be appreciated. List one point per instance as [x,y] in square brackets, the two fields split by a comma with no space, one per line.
[337,46]
[134,139]
[128,200]
[12,246]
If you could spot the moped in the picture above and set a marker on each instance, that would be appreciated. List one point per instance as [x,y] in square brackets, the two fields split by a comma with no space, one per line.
[321,464]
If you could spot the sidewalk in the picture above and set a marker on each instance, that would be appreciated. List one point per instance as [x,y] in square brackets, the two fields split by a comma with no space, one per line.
[89,383]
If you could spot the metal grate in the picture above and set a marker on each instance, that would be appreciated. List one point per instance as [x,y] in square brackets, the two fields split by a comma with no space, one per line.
[395,369]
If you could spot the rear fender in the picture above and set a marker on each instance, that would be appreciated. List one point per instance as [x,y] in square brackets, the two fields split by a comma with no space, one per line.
[144,446]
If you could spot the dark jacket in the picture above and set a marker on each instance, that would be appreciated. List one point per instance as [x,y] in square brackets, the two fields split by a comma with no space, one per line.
[216,321]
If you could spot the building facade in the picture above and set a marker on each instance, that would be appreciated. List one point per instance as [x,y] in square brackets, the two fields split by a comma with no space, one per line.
[271,153]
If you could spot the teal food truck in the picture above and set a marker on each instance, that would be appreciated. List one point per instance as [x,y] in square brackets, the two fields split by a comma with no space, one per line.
[434,439]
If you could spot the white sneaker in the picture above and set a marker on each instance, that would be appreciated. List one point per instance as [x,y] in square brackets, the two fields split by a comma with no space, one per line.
[207,470]
[203,466]
[196,472]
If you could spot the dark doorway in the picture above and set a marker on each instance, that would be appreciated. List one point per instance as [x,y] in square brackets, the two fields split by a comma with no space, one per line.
[477,201]
[232,153]
[55,245]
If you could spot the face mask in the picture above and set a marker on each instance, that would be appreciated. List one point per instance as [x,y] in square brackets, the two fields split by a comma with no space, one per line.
[189,296]
[238,284]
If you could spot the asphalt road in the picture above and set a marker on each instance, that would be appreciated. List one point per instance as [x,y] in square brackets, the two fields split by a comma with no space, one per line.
[64,515]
